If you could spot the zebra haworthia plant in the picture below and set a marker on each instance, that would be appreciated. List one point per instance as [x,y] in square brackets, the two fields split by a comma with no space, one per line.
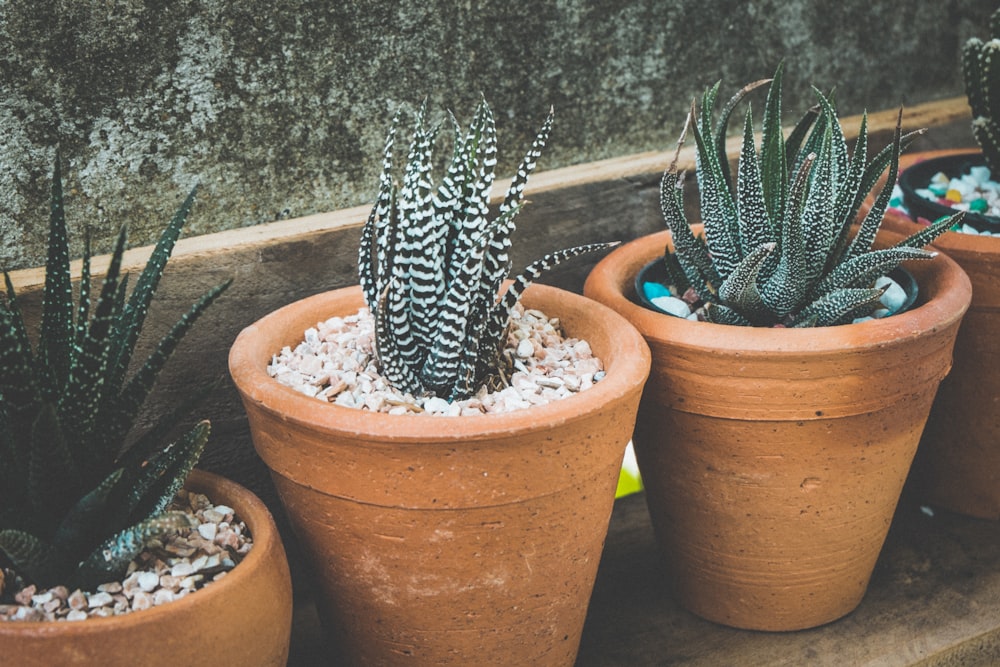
[76,503]
[432,262]
[777,249]
[981,71]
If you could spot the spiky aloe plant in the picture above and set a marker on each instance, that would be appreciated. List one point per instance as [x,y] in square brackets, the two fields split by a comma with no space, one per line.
[776,247]
[432,261]
[76,505]
[981,71]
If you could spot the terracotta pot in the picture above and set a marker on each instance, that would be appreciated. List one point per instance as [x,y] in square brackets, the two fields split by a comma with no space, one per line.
[958,463]
[245,618]
[773,458]
[436,540]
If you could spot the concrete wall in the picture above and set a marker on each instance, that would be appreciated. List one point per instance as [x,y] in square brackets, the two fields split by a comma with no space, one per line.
[279,107]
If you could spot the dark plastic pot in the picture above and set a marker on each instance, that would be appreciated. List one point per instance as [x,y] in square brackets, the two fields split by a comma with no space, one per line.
[919,176]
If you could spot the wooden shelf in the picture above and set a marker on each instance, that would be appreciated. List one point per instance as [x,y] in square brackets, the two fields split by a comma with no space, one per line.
[934,598]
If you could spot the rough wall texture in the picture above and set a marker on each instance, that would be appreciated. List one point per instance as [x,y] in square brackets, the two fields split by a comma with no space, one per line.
[278,108]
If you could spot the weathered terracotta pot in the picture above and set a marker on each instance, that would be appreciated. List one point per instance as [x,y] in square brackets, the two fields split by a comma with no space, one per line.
[958,463]
[436,540]
[245,618]
[773,458]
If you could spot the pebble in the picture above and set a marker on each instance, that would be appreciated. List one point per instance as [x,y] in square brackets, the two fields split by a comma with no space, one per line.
[179,566]
[671,305]
[974,191]
[894,296]
[148,581]
[547,366]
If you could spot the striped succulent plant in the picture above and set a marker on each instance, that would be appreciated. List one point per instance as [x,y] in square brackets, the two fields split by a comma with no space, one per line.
[777,249]
[76,504]
[432,261]
[981,71]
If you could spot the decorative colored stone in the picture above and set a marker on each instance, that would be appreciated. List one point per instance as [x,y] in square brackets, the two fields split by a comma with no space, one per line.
[978,205]
[953,195]
[655,290]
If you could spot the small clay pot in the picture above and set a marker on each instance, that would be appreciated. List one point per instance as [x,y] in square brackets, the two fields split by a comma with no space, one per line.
[245,618]
[773,459]
[448,540]
[958,463]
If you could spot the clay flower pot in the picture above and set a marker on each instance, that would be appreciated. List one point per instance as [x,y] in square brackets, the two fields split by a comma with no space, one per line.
[448,540]
[245,618]
[773,458]
[958,463]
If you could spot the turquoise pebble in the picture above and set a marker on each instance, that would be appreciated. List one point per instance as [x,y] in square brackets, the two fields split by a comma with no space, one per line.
[655,290]
[896,202]
[978,205]
[939,190]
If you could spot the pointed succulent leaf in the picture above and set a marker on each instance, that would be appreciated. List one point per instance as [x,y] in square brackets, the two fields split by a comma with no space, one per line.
[819,226]
[755,228]
[797,138]
[515,193]
[785,288]
[17,381]
[445,354]
[503,309]
[718,209]
[110,560]
[151,441]
[869,227]
[372,267]
[690,252]
[722,126]
[135,392]
[57,301]
[83,307]
[391,361]
[739,290]
[773,160]
[86,387]
[839,306]
[862,271]
[932,231]
[153,485]
[129,325]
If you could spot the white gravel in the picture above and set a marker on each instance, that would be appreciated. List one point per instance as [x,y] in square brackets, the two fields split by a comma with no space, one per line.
[162,573]
[335,362]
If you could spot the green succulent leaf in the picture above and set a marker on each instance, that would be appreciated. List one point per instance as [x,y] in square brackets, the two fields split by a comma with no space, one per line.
[839,306]
[57,301]
[66,414]
[796,197]
[739,290]
[152,485]
[110,560]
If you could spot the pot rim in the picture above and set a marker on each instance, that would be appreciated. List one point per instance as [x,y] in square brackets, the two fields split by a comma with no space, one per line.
[626,369]
[945,289]
[220,490]
[950,240]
